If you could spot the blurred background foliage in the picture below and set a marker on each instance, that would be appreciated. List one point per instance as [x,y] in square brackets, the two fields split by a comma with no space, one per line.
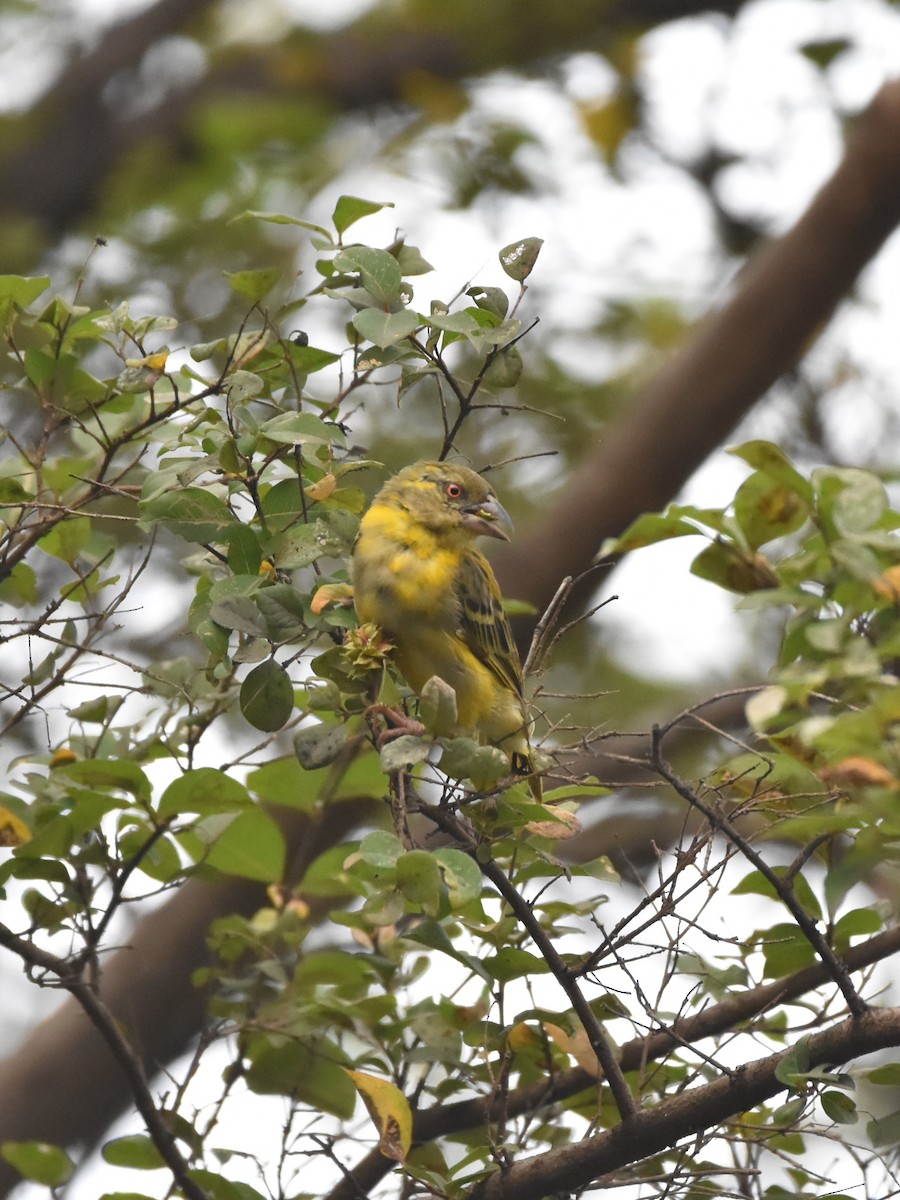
[650,145]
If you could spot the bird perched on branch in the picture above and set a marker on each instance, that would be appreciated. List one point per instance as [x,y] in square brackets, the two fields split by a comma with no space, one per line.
[418,576]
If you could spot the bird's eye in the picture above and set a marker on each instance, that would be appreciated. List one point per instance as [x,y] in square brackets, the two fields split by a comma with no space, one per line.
[453,490]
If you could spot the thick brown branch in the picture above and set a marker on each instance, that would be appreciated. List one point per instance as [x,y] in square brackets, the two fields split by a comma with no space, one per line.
[570,1168]
[781,301]
[76,137]
[738,1008]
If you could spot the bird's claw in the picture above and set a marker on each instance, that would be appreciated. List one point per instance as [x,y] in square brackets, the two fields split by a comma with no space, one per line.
[399,724]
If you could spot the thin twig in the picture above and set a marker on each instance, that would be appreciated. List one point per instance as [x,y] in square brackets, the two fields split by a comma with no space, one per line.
[72,980]
[784,890]
[599,1043]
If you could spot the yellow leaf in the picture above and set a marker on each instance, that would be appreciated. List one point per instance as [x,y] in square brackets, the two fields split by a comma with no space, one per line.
[576,1044]
[560,824]
[13,830]
[858,770]
[323,489]
[522,1037]
[156,362]
[609,123]
[62,757]
[888,584]
[331,593]
[390,1111]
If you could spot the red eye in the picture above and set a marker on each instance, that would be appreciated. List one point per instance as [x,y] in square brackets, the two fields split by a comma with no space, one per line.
[453,490]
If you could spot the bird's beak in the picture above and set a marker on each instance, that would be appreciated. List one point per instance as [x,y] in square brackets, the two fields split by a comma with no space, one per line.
[489,518]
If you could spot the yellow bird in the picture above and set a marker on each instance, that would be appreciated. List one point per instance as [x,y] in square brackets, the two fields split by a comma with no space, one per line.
[418,576]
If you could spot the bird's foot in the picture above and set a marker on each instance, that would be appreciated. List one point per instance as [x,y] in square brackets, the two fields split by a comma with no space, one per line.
[398,724]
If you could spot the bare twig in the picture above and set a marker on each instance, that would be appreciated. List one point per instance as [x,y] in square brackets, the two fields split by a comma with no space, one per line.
[783,887]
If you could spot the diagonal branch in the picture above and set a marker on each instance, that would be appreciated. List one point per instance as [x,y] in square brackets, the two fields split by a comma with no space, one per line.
[600,1044]
[570,1168]
[738,1008]
[781,300]
[783,889]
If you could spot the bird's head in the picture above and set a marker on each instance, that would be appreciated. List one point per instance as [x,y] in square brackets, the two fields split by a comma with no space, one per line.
[446,497]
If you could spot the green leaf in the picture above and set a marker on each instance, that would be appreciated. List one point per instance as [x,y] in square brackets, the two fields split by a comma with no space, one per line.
[301,429]
[126,1196]
[203,790]
[283,781]
[253,284]
[98,710]
[319,745]
[136,1150]
[512,963]
[379,273]
[39,1162]
[859,922]
[492,299]
[380,849]
[239,613]
[420,881]
[887,1075]
[217,1187]
[67,539]
[306,543]
[463,758]
[282,606]
[793,1067]
[849,501]
[505,369]
[267,696]
[462,877]
[411,261]
[839,1107]
[430,933]
[284,219]
[437,707]
[757,884]
[252,846]
[309,1074]
[766,509]
[885,1131]
[308,359]
[193,513]
[20,586]
[383,328]
[647,530]
[108,774]
[785,950]
[20,291]
[733,568]
[767,457]
[823,53]
[518,258]
[244,553]
[404,752]
[350,209]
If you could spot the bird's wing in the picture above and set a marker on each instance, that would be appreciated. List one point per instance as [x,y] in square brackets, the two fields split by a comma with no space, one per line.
[484,625]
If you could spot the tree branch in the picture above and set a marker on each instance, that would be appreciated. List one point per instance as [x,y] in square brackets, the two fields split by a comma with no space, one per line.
[570,1168]
[738,1008]
[782,299]
[785,892]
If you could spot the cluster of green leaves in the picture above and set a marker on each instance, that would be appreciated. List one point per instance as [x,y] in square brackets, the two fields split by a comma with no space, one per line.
[237,461]
[821,555]
[239,464]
